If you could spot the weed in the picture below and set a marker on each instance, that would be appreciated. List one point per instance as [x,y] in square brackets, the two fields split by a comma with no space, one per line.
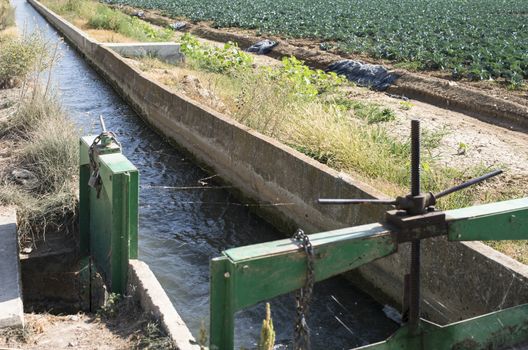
[46,152]
[224,59]
[110,309]
[154,338]
[267,333]
[431,139]
[320,127]
[202,336]
[373,113]
[406,105]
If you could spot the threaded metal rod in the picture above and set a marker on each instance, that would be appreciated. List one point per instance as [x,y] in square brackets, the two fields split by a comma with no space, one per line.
[415,157]
[414,290]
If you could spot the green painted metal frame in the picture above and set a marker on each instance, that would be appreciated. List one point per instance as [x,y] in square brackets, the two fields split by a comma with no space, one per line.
[109,224]
[247,275]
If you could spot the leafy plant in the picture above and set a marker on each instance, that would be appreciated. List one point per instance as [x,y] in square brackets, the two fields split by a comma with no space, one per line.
[225,59]
[406,105]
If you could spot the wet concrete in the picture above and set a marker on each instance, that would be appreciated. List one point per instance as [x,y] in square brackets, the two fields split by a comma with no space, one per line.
[183,224]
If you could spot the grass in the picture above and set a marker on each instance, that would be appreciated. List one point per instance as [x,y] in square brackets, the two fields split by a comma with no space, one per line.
[47,152]
[99,16]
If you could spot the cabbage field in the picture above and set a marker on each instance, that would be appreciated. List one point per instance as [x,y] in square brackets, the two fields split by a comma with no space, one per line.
[477,39]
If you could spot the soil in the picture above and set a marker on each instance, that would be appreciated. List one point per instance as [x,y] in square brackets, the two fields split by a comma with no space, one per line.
[129,329]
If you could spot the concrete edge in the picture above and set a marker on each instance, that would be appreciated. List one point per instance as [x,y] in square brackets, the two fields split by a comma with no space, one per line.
[481,284]
[166,51]
[11,304]
[146,288]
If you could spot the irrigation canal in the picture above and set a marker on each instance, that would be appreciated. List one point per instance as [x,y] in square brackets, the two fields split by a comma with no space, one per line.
[182,229]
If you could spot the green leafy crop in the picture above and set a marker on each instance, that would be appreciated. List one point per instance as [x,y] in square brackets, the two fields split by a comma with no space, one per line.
[475,39]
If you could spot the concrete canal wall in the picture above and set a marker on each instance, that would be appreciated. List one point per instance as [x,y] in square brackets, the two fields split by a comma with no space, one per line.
[460,279]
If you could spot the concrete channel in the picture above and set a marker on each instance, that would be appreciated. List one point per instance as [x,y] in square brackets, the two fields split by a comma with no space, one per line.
[183,227]
[460,280]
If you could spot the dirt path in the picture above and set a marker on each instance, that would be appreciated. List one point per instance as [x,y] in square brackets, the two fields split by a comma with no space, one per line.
[126,330]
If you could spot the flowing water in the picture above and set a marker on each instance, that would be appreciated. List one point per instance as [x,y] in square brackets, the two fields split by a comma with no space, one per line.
[182,229]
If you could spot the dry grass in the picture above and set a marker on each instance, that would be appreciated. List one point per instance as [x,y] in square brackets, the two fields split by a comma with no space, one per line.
[46,155]
[39,176]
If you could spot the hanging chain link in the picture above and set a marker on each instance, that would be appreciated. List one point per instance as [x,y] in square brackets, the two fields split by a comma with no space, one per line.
[95,178]
[301,336]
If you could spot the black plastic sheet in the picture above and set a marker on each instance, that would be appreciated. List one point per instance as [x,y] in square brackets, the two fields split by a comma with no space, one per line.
[262,47]
[373,76]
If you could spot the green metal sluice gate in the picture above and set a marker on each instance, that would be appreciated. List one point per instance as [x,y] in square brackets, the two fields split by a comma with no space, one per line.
[108,209]
[245,276]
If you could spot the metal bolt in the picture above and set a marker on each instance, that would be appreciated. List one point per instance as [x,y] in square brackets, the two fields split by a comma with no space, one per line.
[227,275]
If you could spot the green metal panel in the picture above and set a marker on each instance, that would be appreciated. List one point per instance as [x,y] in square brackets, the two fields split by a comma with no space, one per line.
[109,222]
[506,220]
[256,278]
[496,330]
[222,312]
[245,276]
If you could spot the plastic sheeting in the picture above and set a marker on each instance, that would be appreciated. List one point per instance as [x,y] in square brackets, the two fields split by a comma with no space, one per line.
[262,47]
[373,76]
[178,25]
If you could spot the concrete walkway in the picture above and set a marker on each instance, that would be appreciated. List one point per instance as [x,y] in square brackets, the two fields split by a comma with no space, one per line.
[11,309]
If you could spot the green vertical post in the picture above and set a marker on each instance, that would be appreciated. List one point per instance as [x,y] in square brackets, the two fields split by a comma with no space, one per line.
[84,210]
[222,323]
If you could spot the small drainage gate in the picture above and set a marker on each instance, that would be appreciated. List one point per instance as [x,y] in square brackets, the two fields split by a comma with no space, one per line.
[108,209]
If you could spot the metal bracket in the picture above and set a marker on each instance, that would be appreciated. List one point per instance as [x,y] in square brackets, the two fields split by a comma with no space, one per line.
[408,228]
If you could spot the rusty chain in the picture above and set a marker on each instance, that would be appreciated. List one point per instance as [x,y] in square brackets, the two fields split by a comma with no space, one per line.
[95,178]
[301,336]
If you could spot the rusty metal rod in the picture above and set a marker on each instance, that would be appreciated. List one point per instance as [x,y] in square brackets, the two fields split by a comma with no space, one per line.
[468,183]
[356,201]
[414,280]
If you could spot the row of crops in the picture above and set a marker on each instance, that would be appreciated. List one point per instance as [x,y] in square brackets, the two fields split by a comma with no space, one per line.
[477,39]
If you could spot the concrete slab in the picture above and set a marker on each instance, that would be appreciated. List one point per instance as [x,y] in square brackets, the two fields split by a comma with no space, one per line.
[145,286]
[168,52]
[11,308]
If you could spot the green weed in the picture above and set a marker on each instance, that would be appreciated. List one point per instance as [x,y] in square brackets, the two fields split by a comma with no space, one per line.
[225,59]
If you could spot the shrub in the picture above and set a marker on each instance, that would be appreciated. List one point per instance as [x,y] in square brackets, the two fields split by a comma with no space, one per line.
[7,15]
[19,57]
